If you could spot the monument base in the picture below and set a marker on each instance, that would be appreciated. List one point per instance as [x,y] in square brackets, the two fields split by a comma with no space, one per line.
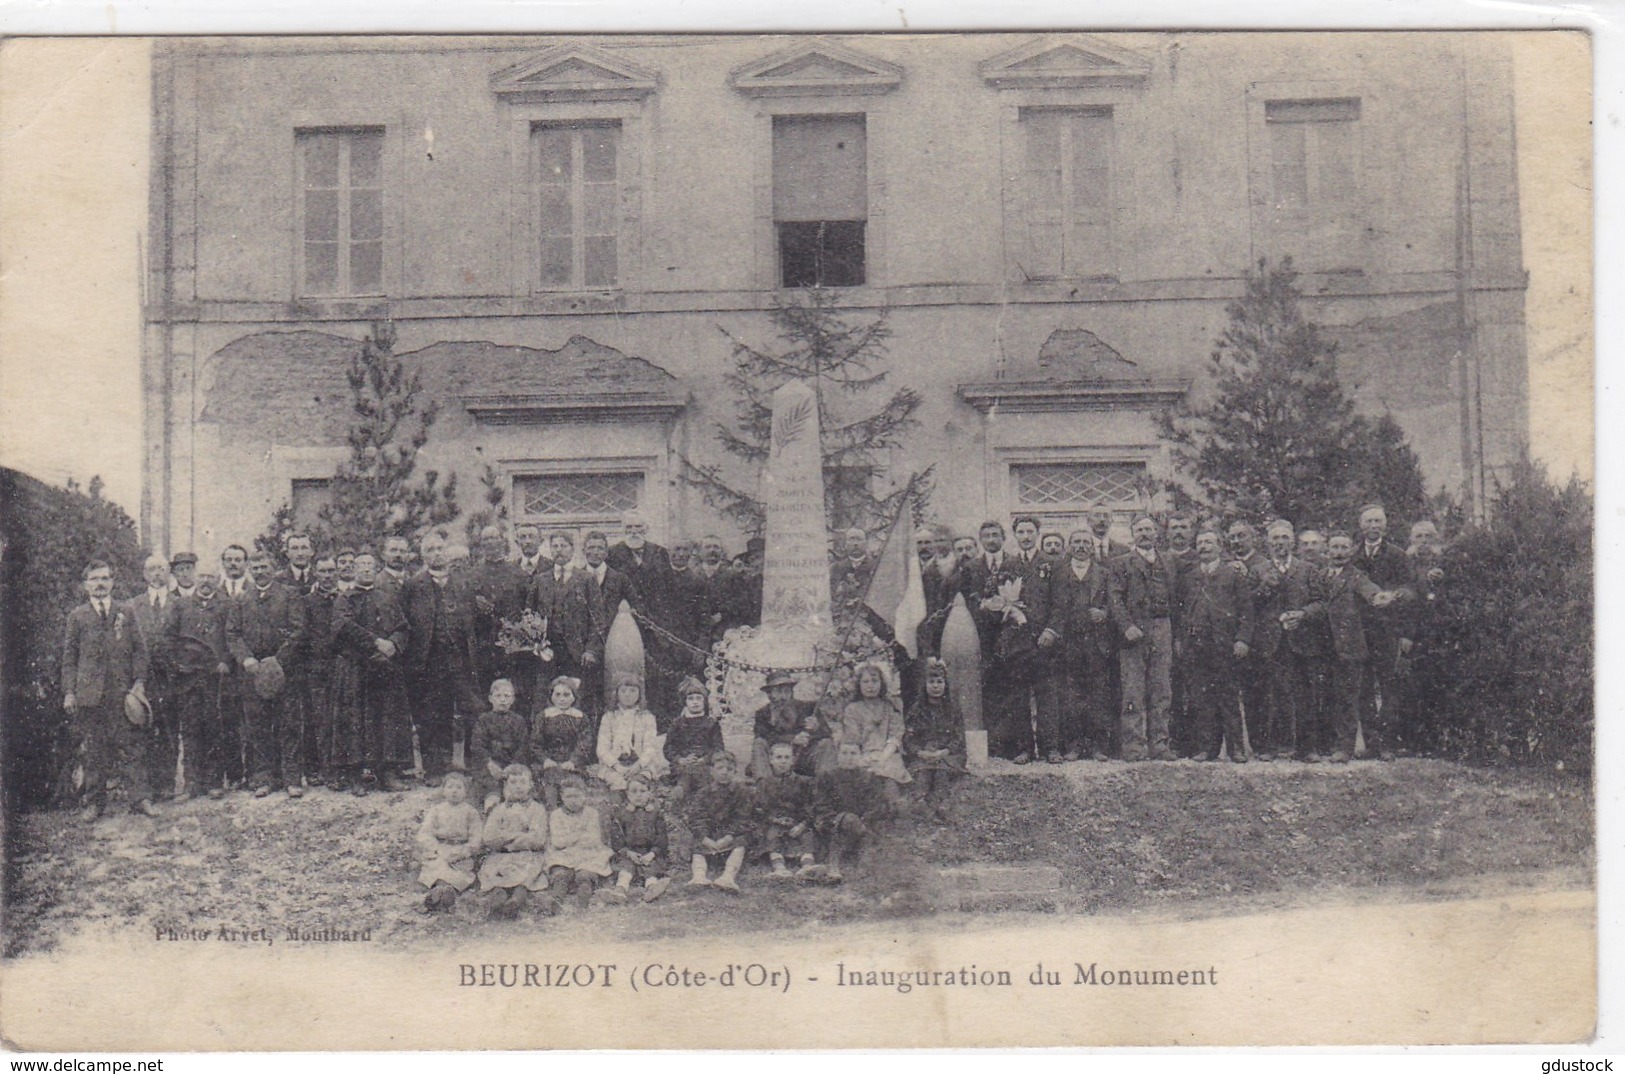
[737,670]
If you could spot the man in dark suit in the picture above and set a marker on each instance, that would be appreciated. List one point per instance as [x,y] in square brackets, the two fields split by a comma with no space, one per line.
[1341,595]
[1144,589]
[234,589]
[726,590]
[677,605]
[530,558]
[371,734]
[642,561]
[1074,646]
[594,597]
[200,664]
[300,553]
[1008,665]
[1292,662]
[1388,631]
[1100,527]
[397,553]
[1026,555]
[439,656]
[1215,638]
[939,576]
[155,614]
[104,661]
[269,623]
[500,591]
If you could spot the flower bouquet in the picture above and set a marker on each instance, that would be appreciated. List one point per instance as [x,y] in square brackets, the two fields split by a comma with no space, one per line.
[525,634]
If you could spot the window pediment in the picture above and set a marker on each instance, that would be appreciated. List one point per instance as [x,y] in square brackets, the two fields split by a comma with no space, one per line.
[816,68]
[1066,63]
[574,73]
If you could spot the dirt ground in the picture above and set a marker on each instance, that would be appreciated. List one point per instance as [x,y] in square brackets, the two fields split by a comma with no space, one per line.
[1183,840]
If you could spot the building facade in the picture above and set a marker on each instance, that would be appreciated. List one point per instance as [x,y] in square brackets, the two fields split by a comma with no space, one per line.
[566,232]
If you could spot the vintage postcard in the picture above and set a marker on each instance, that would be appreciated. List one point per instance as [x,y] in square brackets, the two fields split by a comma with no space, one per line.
[797,541]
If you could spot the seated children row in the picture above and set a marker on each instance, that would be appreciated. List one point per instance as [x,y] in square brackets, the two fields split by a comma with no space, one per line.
[780,815]
[521,847]
[929,742]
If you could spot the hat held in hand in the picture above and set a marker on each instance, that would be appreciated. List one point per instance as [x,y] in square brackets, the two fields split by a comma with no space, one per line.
[268,678]
[137,710]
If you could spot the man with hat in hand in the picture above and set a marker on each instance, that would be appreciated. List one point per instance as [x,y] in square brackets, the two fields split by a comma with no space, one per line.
[104,671]
[265,631]
[155,614]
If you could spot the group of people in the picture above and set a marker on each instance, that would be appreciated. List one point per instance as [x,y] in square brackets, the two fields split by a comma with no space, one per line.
[354,669]
[670,798]
[1193,641]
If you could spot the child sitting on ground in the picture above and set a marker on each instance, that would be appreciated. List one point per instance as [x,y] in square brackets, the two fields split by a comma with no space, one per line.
[719,816]
[448,841]
[641,839]
[874,721]
[559,742]
[693,738]
[848,802]
[628,742]
[784,808]
[577,856]
[515,837]
[498,741]
[934,741]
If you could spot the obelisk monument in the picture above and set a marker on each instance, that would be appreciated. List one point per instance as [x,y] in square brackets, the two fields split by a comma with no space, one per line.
[795,573]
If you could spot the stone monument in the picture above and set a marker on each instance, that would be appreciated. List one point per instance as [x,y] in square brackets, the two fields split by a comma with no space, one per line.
[795,573]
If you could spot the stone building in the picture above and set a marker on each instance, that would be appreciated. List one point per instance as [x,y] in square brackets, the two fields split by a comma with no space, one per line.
[565,231]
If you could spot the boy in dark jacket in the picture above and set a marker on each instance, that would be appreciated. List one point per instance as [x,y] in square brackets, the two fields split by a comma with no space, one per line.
[501,737]
[848,802]
[641,839]
[784,805]
[720,818]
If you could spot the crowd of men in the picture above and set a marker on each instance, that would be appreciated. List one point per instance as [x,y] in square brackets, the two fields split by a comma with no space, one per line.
[353,668]
[1194,641]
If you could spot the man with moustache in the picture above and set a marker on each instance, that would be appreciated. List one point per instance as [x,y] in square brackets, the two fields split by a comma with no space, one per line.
[1291,661]
[500,591]
[530,557]
[199,664]
[1074,646]
[155,615]
[322,691]
[640,559]
[595,597]
[268,625]
[1388,632]
[1214,640]
[234,589]
[725,590]
[1144,591]
[1105,548]
[104,668]
[299,552]
[1007,666]
[1340,594]
[397,559]
[372,733]
[439,662]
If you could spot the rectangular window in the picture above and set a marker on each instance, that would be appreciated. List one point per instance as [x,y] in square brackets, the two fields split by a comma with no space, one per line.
[1067,201]
[578,499]
[820,199]
[578,211]
[341,210]
[309,496]
[1312,152]
[1061,494]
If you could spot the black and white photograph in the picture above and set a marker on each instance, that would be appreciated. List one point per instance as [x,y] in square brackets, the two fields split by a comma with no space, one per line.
[855,540]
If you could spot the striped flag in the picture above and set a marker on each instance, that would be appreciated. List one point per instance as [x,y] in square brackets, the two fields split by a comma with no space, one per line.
[896,589]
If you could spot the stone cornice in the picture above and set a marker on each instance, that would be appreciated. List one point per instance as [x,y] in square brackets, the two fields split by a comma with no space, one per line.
[596,407]
[1051,397]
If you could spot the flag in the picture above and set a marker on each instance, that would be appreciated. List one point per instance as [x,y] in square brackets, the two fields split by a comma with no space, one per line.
[896,589]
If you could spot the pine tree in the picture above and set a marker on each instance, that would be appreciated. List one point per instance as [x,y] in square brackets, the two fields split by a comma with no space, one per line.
[1278,437]
[495,511]
[377,492]
[841,360]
